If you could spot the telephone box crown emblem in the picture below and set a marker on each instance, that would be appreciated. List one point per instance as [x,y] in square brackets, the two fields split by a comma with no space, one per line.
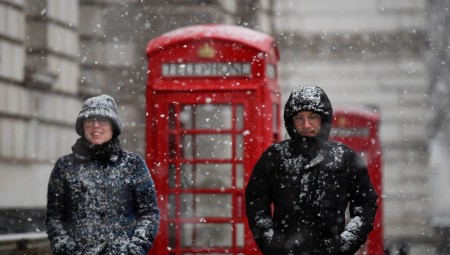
[206,51]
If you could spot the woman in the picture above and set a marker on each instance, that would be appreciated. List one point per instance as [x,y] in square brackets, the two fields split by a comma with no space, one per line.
[101,199]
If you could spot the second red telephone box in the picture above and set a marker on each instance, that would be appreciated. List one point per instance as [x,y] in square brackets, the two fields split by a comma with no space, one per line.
[212,107]
[358,128]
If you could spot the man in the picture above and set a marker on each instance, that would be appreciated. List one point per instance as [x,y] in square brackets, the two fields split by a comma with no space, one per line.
[309,180]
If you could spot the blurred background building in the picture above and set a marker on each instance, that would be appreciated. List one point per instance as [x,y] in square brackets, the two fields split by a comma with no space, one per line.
[389,55]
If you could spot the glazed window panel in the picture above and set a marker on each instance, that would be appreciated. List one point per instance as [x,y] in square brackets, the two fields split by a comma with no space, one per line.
[207,235]
[207,116]
[239,117]
[187,176]
[187,147]
[207,146]
[240,235]
[172,116]
[206,205]
[213,176]
[239,176]
[172,146]
[187,117]
[239,147]
[172,234]
[172,176]
[171,207]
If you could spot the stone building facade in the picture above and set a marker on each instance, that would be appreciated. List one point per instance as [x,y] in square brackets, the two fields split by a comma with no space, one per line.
[371,53]
[439,120]
[39,79]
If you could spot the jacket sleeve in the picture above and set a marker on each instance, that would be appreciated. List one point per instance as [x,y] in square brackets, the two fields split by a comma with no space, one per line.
[258,200]
[60,240]
[147,211]
[363,207]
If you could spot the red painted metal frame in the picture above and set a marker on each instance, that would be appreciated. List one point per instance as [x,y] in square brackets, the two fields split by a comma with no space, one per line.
[354,120]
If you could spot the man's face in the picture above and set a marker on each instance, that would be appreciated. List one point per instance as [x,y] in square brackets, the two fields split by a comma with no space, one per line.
[307,123]
[97,130]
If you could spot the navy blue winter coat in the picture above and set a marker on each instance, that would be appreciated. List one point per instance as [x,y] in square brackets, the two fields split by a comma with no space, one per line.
[104,204]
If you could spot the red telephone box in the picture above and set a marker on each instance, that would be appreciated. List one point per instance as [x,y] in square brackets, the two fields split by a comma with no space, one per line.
[358,129]
[212,107]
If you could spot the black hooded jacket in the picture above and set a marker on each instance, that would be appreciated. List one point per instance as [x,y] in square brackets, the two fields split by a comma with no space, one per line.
[309,181]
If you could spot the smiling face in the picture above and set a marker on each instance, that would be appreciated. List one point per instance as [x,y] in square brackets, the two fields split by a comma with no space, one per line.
[307,123]
[97,130]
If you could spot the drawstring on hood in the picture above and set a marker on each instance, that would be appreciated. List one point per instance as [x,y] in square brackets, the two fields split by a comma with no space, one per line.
[308,98]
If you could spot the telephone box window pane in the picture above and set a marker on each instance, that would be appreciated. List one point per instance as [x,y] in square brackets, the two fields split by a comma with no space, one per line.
[186,235]
[213,146]
[172,146]
[172,176]
[207,146]
[187,117]
[206,205]
[207,116]
[172,235]
[172,116]
[239,117]
[171,207]
[207,235]
[240,235]
[239,176]
[213,176]
[211,116]
[186,209]
[187,148]
[187,176]
[271,71]
[239,147]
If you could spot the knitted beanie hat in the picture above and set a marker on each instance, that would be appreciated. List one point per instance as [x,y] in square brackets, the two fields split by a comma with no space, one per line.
[101,106]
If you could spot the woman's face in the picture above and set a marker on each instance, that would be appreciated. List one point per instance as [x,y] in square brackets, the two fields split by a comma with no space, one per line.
[97,130]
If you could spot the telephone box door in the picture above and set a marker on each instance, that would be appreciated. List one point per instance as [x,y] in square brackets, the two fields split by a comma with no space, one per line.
[201,144]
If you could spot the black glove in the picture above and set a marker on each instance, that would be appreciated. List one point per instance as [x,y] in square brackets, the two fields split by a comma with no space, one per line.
[332,246]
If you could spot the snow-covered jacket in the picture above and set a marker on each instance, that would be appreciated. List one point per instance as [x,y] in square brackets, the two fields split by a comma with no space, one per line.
[104,204]
[309,181]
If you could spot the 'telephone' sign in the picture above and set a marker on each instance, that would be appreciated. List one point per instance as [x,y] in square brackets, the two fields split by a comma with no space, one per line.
[221,69]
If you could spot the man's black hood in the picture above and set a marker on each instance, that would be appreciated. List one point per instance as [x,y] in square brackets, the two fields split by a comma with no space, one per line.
[308,98]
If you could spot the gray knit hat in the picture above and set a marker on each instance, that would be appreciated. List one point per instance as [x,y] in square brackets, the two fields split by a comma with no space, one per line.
[103,106]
